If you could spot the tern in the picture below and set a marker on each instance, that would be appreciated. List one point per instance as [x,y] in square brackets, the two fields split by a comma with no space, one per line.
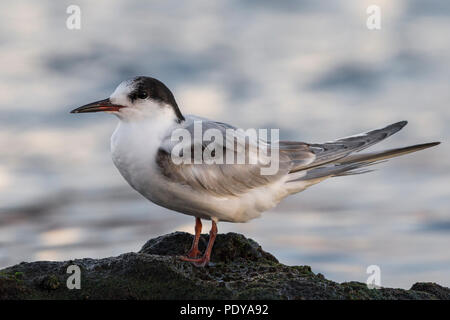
[142,150]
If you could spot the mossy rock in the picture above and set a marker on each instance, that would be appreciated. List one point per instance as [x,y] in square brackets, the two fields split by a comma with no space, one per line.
[241,269]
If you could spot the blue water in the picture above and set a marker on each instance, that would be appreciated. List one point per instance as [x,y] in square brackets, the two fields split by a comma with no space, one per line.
[310,68]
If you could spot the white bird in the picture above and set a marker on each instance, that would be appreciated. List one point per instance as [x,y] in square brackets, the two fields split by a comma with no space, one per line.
[142,148]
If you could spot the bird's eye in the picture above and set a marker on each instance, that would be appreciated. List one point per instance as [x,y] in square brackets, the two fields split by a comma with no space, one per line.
[142,95]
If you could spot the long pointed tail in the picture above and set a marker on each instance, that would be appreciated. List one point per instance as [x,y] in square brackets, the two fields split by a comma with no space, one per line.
[356,163]
[385,154]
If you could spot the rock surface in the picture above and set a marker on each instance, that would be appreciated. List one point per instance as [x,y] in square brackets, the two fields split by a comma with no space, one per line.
[240,270]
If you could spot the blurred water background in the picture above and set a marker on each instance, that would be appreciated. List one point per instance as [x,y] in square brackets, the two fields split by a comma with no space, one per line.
[311,68]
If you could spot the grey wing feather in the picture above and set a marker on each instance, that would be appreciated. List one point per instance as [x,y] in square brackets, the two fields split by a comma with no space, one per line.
[220,179]
[317,160]
[331,151]
[357,164]
[336,170]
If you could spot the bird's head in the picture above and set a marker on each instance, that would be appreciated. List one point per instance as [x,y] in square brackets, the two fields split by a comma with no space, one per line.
[136,99]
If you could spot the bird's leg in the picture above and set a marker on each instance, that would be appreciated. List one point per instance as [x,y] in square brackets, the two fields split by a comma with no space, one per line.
[203,261]
[194,252]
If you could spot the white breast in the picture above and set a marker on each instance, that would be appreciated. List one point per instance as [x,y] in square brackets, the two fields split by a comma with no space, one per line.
[134,146]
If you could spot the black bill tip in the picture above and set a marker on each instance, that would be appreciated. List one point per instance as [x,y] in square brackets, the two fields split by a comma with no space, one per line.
[98,106]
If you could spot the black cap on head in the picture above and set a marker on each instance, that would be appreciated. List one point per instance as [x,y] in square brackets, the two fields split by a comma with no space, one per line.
[147,87]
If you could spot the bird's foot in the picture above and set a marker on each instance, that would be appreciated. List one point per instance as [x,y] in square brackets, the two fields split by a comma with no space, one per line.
[194,253]
[198,262]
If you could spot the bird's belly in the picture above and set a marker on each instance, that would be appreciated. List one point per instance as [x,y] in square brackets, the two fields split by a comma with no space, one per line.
[184,199]
[206,206]
[155,187]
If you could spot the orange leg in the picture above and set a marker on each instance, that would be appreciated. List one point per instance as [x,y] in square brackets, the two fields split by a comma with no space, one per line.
[203,261]
[194,252]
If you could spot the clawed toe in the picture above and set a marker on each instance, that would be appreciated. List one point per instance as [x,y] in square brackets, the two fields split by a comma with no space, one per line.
[201,264]
[198,262]
[194,254]
[189,259]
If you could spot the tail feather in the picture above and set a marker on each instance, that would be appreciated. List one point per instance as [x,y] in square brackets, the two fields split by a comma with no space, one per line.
[355,164]
[386,154]
[329,152]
